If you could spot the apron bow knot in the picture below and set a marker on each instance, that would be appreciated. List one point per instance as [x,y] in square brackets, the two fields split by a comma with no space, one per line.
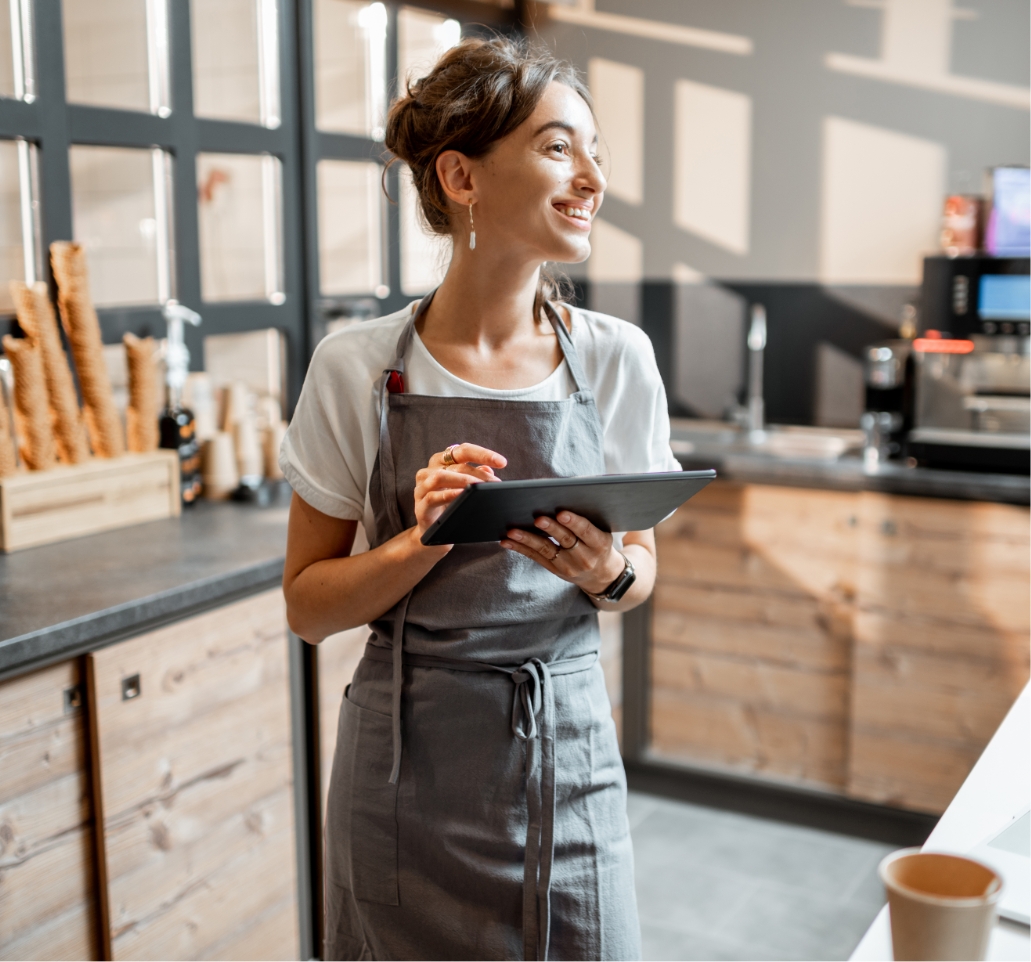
[526,704]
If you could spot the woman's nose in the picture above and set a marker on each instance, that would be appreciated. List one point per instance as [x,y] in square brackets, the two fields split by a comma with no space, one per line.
[589,177]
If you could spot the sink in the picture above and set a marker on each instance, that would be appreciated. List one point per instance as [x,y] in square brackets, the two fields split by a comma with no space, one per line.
[786,442]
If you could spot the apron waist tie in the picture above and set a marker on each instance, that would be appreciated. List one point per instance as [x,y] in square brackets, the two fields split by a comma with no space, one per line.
[533,709]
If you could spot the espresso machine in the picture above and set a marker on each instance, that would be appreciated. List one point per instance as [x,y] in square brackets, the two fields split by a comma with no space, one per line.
[958,396]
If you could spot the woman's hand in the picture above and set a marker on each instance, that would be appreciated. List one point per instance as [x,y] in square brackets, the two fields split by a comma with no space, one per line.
[439,483]
[584,555]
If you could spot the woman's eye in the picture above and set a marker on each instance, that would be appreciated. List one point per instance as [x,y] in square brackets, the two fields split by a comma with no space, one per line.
[560,147]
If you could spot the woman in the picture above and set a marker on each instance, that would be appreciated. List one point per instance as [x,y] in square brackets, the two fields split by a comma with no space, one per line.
[477,807]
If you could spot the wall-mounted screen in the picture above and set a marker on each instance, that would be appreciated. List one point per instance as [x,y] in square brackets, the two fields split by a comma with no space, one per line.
[1009,224]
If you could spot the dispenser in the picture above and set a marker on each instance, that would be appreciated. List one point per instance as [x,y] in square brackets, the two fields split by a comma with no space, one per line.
[177,425]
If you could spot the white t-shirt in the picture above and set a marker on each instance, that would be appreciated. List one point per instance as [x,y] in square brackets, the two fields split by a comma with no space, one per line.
[331,446]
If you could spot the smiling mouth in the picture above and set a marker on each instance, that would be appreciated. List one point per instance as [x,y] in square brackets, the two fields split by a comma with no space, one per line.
[582,214]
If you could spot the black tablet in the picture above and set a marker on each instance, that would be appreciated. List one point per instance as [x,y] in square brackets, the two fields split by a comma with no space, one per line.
[612,502]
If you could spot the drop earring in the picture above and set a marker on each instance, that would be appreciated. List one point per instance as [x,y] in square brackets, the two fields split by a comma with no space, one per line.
[472,230]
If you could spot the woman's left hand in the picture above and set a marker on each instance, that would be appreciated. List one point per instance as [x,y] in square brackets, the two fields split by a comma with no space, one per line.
[584,555]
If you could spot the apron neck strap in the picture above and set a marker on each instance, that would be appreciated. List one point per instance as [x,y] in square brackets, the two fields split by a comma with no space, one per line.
[565,341]
[561,332]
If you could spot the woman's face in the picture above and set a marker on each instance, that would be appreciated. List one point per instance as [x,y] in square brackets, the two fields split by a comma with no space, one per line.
[540,187]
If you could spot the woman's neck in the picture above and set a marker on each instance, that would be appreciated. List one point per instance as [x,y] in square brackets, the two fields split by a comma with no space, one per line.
[480,325]
[483,300]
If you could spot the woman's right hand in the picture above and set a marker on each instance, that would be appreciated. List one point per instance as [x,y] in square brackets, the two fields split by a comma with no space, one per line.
[438,484]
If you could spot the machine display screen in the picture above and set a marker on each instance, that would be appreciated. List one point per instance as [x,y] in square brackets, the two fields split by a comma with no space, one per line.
[1009,224]
[1004,297]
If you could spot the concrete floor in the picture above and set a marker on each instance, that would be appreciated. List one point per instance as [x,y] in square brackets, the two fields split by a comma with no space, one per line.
[718,885]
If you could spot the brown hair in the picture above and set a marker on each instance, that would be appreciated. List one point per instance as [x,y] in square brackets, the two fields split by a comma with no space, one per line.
[477,93]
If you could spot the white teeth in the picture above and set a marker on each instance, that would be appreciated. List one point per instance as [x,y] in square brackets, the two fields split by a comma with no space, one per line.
[580,213]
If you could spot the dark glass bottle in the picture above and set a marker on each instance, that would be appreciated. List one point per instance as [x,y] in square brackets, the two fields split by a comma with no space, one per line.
[179,433]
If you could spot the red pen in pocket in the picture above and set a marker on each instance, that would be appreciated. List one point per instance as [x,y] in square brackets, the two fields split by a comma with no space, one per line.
[395,383]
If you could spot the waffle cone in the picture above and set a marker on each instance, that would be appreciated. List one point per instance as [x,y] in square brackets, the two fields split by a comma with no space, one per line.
[8,462]
[83,331]
[141,418]
[36,317]
[31,407]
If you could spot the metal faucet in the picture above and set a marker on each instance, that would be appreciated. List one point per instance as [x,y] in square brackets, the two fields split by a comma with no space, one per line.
[756,347]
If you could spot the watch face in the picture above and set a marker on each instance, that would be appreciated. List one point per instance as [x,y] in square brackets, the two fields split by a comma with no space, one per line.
[623,586]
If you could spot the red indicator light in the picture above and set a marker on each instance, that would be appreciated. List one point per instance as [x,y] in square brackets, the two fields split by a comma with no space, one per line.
[940,345]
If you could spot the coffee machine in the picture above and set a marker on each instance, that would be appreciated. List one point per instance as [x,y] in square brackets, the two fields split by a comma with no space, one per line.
[971,366]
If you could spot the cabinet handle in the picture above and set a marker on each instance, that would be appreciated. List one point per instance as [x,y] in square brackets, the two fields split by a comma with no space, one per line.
[131,688]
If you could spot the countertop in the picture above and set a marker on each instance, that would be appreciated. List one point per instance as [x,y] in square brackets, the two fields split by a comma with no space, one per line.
[828,459]
[996,790]
[60,600]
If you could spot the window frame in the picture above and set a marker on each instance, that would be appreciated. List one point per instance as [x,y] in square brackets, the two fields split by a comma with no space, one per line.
[54,124]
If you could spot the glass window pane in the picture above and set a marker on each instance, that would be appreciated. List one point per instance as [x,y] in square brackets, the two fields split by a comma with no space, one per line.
[421,39]
[115,53]
[424,255]
[6,50]
[235,60]
[120,216]
[18,217]
[350,218]
[350,67]
[17,72]
[239,210]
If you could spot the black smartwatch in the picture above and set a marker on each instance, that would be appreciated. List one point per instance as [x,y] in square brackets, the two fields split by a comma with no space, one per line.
[620,586]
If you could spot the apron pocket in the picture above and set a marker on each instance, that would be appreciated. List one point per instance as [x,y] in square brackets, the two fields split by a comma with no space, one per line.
[361,817]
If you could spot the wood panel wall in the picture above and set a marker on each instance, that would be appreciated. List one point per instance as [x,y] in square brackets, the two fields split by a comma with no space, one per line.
[751,651]
[47,904]
[941,642]
[195,778]
[864,643]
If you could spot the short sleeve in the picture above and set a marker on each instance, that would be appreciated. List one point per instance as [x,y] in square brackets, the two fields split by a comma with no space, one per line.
[322,456]
[630,395]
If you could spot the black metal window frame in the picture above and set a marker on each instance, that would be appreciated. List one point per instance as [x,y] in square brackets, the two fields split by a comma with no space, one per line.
[475,17]
[54,125]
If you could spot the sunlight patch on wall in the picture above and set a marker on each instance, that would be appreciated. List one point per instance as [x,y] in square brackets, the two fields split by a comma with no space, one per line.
[712,164]
[618,92]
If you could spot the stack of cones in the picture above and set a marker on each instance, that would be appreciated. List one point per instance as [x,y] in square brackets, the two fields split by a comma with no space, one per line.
[37,320]
[142,415]
[31,406]
[8,462]
[68,260]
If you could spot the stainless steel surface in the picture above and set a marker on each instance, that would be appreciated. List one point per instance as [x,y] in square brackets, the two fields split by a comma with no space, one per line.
[756,350]
[826,458]
[987,391]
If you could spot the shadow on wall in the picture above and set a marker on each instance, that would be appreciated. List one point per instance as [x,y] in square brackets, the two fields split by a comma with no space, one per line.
[816,336]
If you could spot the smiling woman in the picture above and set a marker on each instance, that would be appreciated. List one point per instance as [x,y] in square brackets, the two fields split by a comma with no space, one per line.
[477,807]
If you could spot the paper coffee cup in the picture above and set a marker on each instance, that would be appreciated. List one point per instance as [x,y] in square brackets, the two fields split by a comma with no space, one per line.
[941,906]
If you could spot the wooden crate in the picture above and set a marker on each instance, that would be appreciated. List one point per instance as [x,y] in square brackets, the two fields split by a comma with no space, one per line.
[40,507]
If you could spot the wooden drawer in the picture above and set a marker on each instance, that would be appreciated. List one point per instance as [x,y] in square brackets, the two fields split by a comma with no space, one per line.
[192,730]
[47,899]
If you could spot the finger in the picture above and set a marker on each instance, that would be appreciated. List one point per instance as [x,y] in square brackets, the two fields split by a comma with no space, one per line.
[447,478]
[534,556]
[434,499]
[590,535]
[543,546]
[559,532]
[466,453]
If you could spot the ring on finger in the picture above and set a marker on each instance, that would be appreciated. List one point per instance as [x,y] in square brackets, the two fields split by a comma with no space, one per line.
[449,455]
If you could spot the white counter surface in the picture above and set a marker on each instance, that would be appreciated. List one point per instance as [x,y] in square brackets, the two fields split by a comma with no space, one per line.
[997,788]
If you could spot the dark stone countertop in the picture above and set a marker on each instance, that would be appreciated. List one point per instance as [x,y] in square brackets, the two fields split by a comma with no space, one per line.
[702,444]
[60,600]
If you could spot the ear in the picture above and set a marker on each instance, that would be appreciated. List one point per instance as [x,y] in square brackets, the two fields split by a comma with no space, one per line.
[454,171]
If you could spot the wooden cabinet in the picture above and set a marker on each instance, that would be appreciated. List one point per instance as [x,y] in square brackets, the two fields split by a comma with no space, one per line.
[47,904]
[192,734]
[858,642]
[940,643]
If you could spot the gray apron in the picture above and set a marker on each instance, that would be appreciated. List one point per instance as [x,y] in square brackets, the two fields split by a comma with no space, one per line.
[477,805]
